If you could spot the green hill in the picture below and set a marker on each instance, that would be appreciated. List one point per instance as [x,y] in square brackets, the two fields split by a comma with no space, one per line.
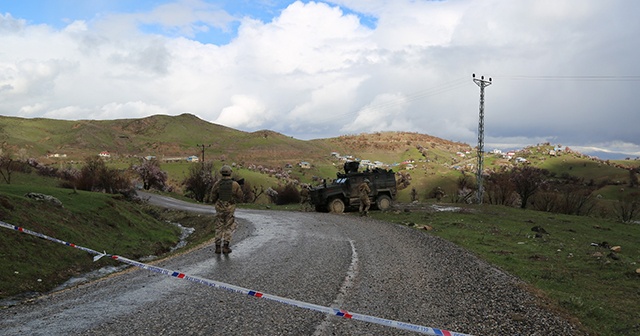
[179,136]
[435,161]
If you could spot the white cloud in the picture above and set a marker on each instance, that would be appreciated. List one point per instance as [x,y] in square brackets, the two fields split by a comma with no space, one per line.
[611,147]
[319,68]
[384,113]
[137,109]
[307,38]
[246,111]
[34,110]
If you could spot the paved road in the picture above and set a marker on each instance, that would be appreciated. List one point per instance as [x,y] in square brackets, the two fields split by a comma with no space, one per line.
[358,264]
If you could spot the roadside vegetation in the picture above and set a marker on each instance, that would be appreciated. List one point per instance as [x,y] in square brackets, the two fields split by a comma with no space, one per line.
[103,222]
[585,268]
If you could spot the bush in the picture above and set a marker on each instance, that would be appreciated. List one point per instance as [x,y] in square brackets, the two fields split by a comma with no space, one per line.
[95,176]
[627,207]
[151,175]
[199,182]
[43,170]
[248,192]
[287,194]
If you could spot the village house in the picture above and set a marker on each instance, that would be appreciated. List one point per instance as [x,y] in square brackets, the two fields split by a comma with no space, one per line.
[304,165]
[509,155]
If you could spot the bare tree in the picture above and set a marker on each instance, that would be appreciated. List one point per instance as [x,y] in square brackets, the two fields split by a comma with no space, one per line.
[6,166]
[546,200]
[6,160]
[151,174]
[571,199]
[627,207]
[577,201]
[465,190]
[500,188]
[633,177]
[527,181]
[199,182]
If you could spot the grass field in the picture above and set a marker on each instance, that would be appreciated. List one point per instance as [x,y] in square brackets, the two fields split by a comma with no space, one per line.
[599,287]
[97,221]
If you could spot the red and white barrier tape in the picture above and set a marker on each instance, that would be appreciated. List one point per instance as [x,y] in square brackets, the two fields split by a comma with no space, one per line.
[236,289]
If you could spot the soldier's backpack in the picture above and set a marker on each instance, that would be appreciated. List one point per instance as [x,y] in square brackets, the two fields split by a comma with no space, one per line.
[225,193]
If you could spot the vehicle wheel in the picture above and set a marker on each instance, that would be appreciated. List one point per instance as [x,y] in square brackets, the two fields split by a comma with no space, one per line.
[383,202]
[336,205]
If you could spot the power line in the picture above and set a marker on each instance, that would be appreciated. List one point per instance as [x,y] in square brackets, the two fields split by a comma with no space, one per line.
[432,91]
[587,78]
[460,82]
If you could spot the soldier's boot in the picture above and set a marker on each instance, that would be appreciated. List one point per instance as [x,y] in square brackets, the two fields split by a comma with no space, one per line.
[218,248]
[225,248]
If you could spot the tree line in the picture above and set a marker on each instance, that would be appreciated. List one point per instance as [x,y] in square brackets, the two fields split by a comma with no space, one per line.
[539,189]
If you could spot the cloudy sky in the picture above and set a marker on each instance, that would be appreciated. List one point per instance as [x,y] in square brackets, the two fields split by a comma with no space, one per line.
[562,71]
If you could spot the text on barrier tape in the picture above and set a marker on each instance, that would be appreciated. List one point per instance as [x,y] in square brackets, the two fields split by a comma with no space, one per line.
[237,289]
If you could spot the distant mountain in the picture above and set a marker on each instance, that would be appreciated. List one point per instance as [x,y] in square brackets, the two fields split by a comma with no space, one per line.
[184,135]
[608,155]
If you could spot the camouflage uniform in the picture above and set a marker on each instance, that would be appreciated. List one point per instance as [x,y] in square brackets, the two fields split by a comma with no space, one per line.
[439,194]
[363,193]
[224,194]
[305,201]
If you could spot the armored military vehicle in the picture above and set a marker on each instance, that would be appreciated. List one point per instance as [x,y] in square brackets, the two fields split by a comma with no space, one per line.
[341,194]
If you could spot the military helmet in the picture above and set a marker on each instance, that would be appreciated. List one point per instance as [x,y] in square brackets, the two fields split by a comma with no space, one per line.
[225,170]
[366,180]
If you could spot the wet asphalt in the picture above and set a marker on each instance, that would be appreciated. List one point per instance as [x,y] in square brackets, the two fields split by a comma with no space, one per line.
[358,264]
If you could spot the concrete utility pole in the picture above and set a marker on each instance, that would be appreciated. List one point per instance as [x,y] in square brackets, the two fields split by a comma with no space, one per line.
[482,84]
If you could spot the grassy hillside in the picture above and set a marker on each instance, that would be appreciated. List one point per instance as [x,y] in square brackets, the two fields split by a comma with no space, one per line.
[160,136]
[156,135]
[94,220]
[590,282]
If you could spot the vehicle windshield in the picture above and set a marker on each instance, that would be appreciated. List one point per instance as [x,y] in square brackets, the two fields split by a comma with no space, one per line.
[341,180]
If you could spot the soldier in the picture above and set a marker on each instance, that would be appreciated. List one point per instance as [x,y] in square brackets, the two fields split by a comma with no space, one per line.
[365,202]
[305,202]
[439,194]
[414,195]
[224,194]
